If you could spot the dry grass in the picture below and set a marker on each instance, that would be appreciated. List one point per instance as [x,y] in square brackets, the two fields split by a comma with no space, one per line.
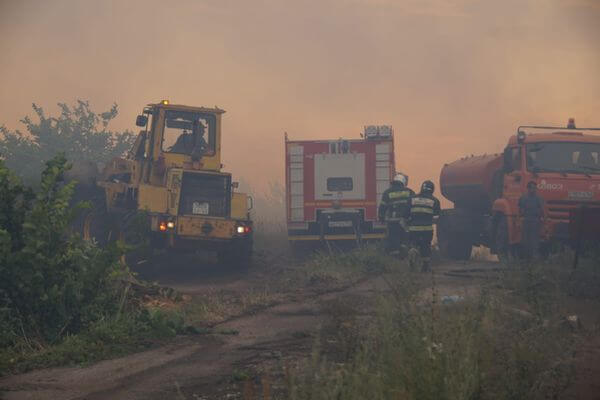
[211,309]
[510,342]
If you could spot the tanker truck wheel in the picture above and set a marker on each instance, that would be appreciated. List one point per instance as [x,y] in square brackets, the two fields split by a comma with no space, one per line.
[453,245]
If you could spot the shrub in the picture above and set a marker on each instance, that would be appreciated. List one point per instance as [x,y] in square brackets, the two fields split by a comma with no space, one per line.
[52,283]
[62,299]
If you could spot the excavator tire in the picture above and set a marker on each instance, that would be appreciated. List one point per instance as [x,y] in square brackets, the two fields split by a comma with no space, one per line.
[237,254]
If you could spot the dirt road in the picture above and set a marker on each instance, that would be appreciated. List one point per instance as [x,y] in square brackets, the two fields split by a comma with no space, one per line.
[215,366]
[210,366]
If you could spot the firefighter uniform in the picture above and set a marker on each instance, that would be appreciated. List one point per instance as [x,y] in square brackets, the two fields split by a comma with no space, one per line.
[392,210]
[421,210]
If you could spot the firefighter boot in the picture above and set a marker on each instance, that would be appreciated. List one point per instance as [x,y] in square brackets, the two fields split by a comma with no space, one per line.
[414,259]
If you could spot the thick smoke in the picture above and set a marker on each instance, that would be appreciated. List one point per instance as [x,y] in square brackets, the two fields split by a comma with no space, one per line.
[453,77]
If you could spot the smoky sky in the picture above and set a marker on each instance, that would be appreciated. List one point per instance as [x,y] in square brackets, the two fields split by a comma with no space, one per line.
[453,77]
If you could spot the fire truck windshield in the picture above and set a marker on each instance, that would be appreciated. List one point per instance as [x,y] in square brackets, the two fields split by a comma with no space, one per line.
[339,184]
[189,133]
[564,157]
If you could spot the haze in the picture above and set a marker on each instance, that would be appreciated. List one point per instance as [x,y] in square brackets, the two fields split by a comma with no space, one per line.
[452,77]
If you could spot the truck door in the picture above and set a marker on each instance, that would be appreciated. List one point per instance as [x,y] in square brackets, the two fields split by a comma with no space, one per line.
[513,180]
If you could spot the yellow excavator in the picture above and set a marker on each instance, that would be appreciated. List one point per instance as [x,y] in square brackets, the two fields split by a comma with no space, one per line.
[173,176]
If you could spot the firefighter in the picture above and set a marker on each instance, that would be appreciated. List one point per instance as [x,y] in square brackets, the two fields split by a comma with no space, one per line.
[422,208]
[392,210]
[531,210]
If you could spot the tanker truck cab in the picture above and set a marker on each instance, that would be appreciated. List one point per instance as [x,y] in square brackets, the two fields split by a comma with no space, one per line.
[174,175]
[564,163]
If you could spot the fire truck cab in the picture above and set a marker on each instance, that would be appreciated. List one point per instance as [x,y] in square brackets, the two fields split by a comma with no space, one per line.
[333,187]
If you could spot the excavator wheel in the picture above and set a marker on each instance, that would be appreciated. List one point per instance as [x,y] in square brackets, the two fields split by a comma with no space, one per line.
[94,222]
[103,227]
[237,254]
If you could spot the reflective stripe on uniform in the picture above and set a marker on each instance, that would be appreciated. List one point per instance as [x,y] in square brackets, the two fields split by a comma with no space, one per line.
[402,193]
[424,228]
[423,201]
[421,210]
[399,203]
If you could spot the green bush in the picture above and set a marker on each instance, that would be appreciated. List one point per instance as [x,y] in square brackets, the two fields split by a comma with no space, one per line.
[104,338]
[63,300]
[52,283]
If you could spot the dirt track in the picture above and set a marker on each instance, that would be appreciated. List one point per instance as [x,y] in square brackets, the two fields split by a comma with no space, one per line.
[212,366]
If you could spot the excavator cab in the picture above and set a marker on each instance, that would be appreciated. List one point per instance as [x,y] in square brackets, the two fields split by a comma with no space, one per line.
[173,173]
[181,135]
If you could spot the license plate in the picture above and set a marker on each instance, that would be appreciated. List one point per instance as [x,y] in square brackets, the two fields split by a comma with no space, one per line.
[200,208]
[340,224]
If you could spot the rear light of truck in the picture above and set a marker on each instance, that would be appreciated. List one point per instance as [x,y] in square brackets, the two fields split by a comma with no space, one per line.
[243,229]
[163,226]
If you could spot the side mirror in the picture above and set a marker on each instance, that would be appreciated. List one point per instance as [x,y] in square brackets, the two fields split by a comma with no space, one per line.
[507,166]
[141,120]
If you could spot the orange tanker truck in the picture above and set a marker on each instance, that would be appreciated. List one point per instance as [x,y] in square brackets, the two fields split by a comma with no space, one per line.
[485,190]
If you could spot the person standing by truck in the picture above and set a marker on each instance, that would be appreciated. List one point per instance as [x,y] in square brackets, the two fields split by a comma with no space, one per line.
[422,208]
[531,210]
[392,210]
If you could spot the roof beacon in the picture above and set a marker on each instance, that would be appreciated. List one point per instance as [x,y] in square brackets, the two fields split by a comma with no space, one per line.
[378,131]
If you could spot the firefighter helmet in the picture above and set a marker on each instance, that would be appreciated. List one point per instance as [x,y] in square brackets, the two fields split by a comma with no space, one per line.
[428,187]
[400,178]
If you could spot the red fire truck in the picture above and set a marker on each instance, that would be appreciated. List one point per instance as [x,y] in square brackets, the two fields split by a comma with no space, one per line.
[333,187]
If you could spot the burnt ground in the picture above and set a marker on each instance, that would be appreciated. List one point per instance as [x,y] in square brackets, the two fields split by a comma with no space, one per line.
[272,334]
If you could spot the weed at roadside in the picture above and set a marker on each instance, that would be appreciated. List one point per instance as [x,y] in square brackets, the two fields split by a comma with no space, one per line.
[104,339]
[478,348]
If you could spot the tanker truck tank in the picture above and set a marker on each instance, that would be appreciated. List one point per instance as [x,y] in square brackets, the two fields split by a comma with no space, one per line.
[486,190]
[473,182]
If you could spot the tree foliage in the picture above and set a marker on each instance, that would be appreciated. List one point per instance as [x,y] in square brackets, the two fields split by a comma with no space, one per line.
[52,282]
[78,132]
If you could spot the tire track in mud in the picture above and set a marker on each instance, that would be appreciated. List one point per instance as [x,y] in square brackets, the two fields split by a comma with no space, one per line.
[152,374]
[195,363]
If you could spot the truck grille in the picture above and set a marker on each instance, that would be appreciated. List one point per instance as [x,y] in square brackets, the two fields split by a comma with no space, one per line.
[205,195]
[559,209]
